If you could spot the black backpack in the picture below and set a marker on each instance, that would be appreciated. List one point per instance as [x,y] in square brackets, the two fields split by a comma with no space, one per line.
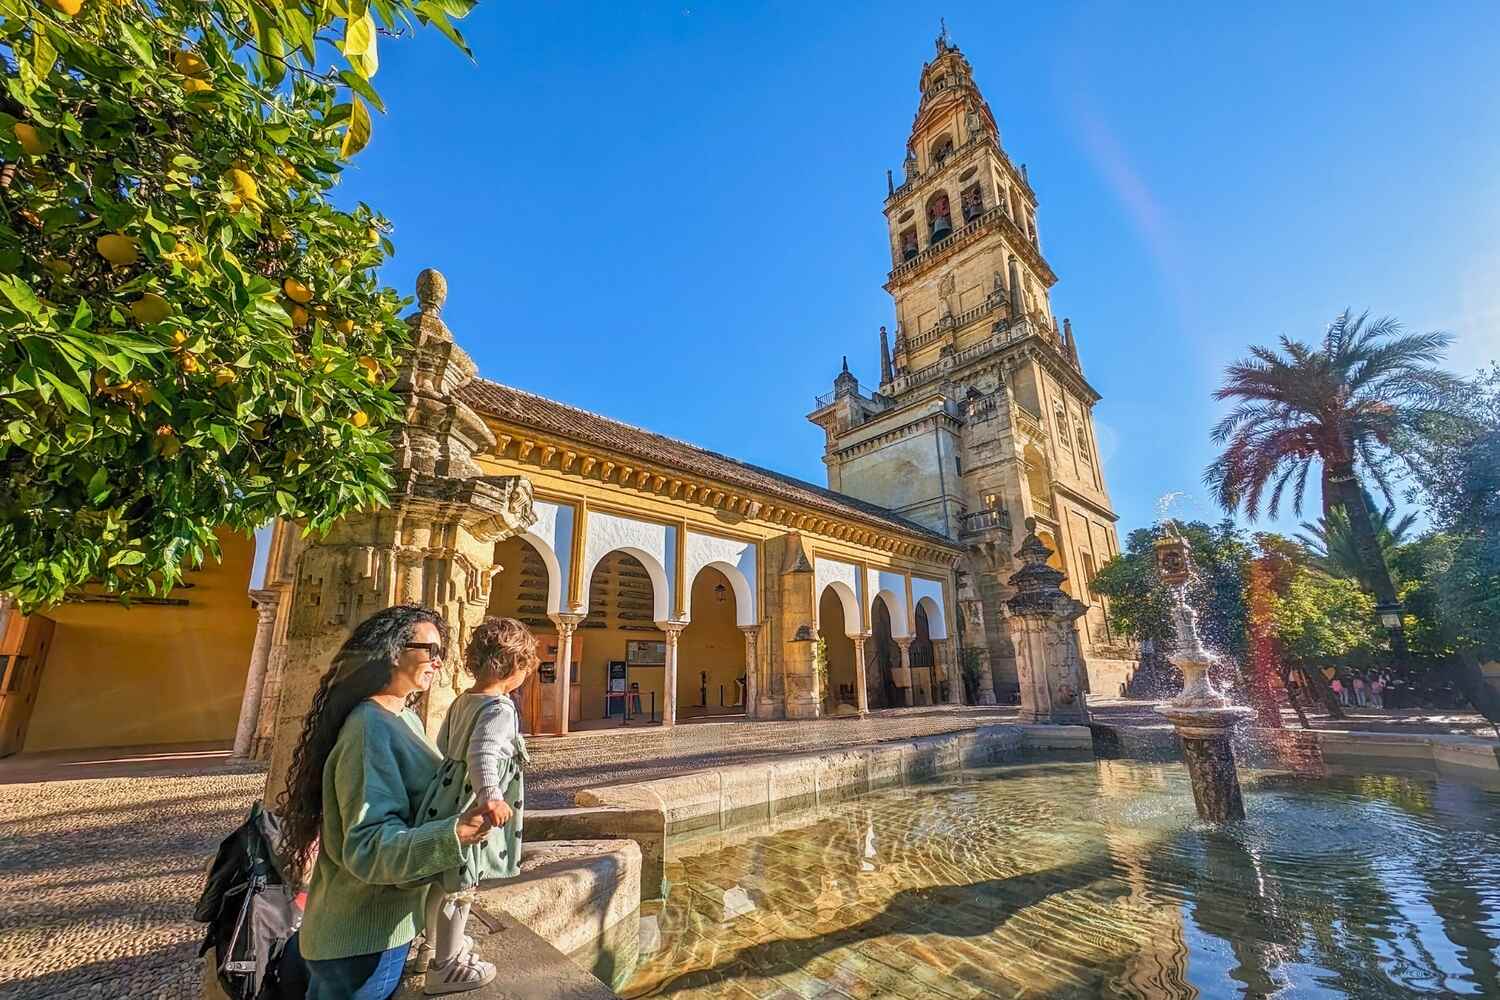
[251,915]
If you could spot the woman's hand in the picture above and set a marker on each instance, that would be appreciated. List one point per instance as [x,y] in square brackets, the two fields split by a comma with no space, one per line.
[473,824]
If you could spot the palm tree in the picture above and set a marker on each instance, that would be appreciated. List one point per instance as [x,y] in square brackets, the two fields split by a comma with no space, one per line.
[1330,542]
[1350,403]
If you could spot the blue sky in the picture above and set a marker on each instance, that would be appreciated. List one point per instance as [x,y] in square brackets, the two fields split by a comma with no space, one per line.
[671,215]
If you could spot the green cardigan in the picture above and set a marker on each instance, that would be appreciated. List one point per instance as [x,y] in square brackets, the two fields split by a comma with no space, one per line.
[361,899]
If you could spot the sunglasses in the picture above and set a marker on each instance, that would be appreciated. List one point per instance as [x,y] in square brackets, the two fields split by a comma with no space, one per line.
[434,649]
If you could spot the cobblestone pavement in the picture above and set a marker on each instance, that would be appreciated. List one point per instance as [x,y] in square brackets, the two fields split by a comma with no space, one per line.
[100,879]
[100,874]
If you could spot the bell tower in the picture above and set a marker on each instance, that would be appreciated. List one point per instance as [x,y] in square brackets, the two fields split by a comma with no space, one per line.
[982,418]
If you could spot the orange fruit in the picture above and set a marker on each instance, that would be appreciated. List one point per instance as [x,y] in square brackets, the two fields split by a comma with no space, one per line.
[188,362]
[68,7]
[189,63]
[299,315]
[360,418]
[32,143]
[118,249]
[297,291]
[150,308]
[224,375]
[344,326]
[193,85]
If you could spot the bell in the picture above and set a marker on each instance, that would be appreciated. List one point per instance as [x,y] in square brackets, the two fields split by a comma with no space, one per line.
[941,228]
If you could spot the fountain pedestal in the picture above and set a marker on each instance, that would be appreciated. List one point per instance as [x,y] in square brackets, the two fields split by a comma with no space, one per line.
[1205,722]
[1203,717]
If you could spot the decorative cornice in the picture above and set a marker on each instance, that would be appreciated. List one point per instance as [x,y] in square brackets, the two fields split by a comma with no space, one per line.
[526,447]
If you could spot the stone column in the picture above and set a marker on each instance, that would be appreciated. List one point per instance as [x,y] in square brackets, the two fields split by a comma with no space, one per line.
[434,545]
[265,602]
[798,635]
[861,685]
[1048,660]
[567,624]
[669,681]
[752,686]
[903,672]
[955,673]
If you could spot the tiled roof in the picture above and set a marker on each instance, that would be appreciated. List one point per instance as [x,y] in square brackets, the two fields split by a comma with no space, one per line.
[530,410]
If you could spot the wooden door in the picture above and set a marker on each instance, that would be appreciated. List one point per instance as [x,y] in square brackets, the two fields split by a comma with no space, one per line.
[23,654]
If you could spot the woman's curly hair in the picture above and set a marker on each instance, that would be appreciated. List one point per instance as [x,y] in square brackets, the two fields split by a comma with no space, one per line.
[362,667]
[499,648]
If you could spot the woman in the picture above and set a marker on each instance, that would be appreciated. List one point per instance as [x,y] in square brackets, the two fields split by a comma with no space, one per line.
[358,774]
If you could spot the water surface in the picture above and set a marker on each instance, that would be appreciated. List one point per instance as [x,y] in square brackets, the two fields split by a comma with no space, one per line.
[1094,879]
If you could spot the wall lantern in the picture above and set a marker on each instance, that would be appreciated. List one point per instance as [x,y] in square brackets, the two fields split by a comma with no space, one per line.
[1390,615]
[805,633]
[720,592]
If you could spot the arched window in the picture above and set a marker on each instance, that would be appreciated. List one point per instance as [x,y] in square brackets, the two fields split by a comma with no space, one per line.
[972,202]
[908,244]
[939,217]
[941,150]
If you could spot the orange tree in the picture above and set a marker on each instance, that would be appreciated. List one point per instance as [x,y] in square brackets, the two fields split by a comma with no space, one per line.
[194,336]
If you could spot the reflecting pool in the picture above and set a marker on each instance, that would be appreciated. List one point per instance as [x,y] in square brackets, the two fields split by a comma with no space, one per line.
[1083,879]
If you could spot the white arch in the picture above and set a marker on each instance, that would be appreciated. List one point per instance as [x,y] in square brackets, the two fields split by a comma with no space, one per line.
[896,608]
[654,545]
[827,572]
[654,569]
[936,627]
[735,559]
[931,592]
[850,603]
[891,586]
[554,570]
[552,537]
[744,594]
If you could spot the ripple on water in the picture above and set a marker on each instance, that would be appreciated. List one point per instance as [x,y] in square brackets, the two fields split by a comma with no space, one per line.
[1085,879]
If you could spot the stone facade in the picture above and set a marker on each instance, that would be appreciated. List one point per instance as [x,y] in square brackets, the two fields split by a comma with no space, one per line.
[983,417]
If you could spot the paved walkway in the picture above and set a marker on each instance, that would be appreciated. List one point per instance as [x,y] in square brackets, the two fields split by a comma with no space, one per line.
[102,853]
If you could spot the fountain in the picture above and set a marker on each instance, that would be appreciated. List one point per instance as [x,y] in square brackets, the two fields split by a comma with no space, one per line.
[1203,717]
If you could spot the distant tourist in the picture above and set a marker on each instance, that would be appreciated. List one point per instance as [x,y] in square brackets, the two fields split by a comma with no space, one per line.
[483,754]
[358,774]
[1338,691]
[1377,691]
[1359,690]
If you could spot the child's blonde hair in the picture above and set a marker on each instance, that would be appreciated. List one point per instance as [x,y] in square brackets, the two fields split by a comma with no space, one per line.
[499,648]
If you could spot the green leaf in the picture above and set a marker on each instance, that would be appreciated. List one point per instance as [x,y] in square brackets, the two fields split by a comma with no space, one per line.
[357,134]
[99,487]
[362,87]
[43,54]
[70,395]
[435,14]
[127,557]
[21,296]
[224,435]
[272,48]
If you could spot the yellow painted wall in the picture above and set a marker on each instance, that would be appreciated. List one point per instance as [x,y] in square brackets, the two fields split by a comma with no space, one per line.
[151,674]
[713,643]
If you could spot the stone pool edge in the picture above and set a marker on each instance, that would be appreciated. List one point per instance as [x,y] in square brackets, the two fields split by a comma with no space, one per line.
[722,798]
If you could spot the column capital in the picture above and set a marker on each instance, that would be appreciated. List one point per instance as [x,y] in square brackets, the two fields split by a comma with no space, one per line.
[567,621]
[863,636]
[751,631]
[904,641]
[672,629]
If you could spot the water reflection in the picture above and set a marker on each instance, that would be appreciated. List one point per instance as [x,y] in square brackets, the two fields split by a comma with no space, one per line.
[1086,879]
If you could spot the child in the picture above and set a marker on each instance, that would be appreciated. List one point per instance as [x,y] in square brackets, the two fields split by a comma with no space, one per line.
[483,752]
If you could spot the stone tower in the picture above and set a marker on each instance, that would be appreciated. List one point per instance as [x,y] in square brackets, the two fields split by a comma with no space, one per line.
[983,417]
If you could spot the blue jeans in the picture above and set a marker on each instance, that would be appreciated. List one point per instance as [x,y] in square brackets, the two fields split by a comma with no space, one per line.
[359,977]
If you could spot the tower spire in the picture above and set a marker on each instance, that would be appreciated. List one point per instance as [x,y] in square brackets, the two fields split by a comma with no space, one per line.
[885,357]
[943,44]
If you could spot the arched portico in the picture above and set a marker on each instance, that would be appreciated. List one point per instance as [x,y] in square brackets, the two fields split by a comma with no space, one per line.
[711,659]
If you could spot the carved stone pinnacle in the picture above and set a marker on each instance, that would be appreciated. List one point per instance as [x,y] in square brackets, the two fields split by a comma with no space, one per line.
[432,291]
